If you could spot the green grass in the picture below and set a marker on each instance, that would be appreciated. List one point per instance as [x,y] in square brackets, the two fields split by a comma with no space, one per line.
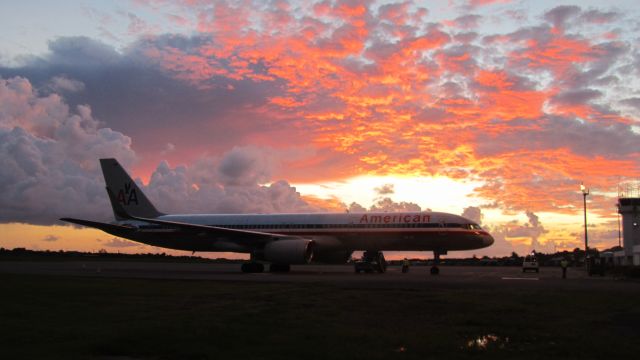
[68,317]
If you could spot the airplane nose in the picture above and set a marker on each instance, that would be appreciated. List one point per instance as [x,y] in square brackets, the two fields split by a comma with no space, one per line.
[487,240]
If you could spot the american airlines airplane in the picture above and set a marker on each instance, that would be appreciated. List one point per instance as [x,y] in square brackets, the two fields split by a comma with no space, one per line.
[284,239]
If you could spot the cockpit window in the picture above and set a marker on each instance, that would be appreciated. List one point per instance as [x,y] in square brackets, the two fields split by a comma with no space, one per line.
[475,227]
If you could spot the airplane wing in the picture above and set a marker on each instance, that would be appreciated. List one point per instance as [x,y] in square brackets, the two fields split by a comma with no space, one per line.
[220,233]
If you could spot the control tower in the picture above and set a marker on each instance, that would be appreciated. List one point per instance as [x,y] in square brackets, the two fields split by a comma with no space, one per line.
[629,208]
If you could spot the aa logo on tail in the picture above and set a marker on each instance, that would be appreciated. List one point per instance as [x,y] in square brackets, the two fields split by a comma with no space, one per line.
[128,195]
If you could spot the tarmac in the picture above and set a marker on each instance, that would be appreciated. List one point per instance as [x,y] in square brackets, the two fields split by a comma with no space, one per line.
[340,275]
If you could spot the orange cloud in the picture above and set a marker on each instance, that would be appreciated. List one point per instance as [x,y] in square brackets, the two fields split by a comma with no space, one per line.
[395,96]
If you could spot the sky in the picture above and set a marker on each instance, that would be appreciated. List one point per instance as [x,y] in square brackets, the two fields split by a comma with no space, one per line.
[496,110]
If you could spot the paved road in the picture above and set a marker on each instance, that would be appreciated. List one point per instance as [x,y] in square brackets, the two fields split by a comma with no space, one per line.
[342,275]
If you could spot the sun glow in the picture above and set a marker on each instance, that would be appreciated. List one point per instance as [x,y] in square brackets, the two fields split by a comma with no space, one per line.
[435,193]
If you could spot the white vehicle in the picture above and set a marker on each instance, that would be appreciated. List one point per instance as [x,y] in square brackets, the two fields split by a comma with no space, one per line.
[281,239]
[530,263]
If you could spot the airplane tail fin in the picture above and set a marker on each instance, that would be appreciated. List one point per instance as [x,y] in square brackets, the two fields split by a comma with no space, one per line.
[125,195]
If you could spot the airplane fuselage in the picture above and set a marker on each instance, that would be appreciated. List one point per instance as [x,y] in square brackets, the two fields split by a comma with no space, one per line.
[423,231]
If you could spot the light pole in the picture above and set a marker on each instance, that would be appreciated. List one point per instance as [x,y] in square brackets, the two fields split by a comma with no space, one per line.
[585,192]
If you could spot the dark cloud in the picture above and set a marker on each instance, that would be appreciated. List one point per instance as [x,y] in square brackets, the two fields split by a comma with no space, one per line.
[49,167]
[135,92]
[558,16]
[595,16]
[466,37]
[633,102]
[385,189]
[599,72]
[469,21]
[553,132]
[248,165]
[577,96]
[80,52]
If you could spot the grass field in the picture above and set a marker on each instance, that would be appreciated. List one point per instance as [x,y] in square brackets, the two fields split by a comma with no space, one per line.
[102,318]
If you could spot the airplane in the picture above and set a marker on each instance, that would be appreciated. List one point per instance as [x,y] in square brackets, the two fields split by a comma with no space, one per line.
[282,240]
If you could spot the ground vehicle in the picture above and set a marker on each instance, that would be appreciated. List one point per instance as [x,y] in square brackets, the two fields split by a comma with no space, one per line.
[530,263]
[371,261]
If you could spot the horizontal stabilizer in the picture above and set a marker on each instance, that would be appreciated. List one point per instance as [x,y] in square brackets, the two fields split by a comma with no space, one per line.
[117,230]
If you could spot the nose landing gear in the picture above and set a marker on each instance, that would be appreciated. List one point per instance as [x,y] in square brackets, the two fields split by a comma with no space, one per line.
[435,270]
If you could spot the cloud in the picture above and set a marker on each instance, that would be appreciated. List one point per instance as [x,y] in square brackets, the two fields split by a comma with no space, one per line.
[533,230]
[385,189]
[51,238]
[247,165]
[388,205]
[467,22]
[555,132]
[131,89]
[119,243]
[49,167]
[81,52]
[473,213]
[48,156]
[232,183]
[632,102]
[475,3]
[578,96]
[385,204]
[64,84]
[558,16]
[356,208]
[526,109]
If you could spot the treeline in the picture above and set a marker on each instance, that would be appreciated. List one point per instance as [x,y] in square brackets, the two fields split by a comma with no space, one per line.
[574,257]
[26,254]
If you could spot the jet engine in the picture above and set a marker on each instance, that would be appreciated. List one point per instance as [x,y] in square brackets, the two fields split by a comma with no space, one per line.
[289,251]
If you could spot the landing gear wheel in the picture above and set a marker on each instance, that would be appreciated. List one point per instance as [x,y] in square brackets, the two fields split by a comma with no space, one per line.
[382,263]
[279,268]
[436,261]
[252,267]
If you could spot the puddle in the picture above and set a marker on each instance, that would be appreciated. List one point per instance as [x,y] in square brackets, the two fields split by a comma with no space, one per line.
[488,341]
[400,349]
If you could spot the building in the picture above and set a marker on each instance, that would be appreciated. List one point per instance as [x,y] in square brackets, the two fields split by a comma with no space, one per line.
[629,209]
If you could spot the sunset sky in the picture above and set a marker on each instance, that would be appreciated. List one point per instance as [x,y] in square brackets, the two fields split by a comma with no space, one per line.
[493,109]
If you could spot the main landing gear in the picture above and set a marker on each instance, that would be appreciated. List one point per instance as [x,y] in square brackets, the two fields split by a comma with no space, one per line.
[435,270]
[371,261]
